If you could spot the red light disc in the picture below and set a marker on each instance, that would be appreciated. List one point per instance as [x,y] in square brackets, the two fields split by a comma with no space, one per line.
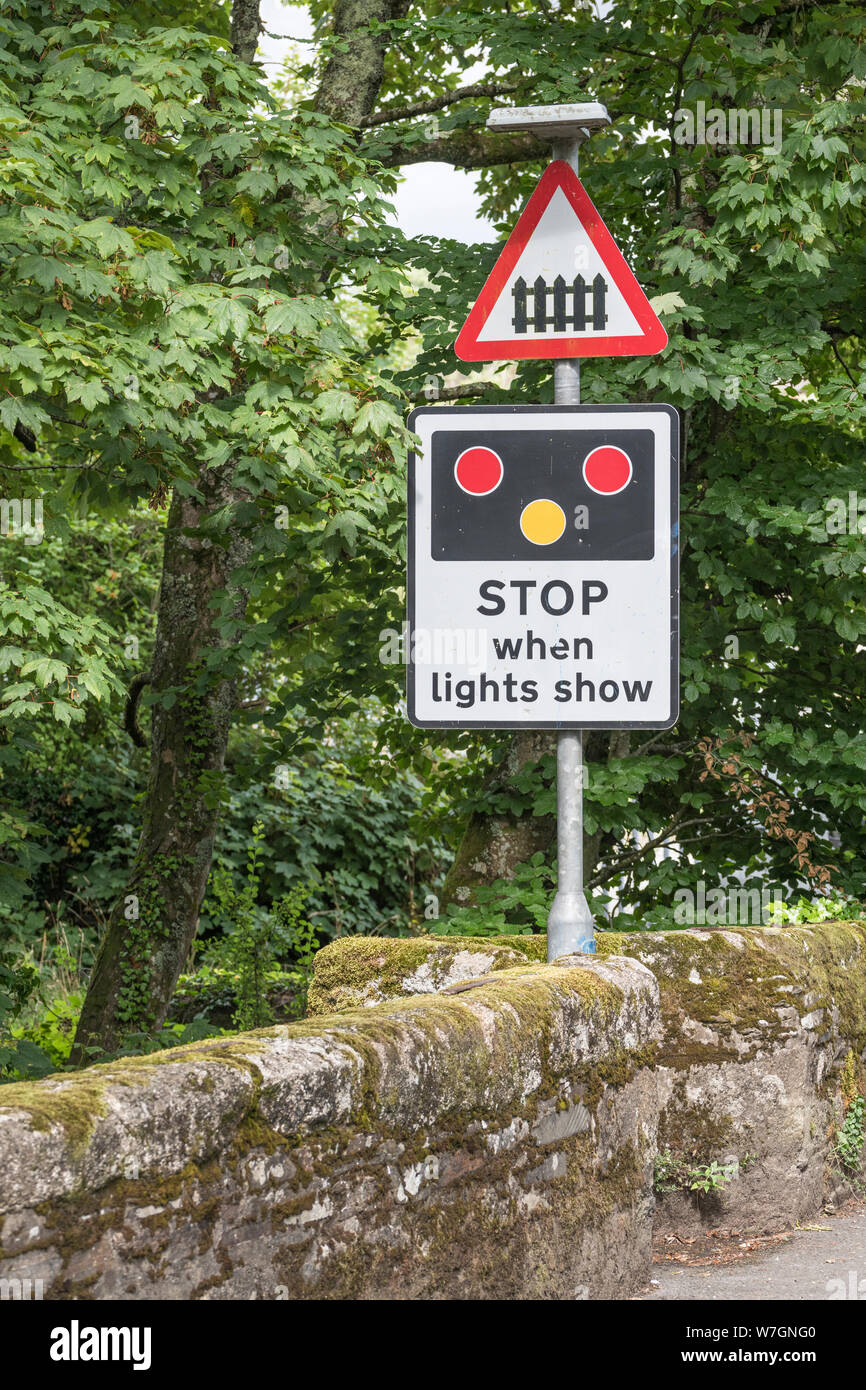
[478,470]
[607,469]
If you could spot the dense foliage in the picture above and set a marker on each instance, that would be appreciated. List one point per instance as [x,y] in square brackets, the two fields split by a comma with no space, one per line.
[210,333]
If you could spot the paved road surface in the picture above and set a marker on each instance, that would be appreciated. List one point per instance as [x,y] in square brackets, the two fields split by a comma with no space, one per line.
[811,1265]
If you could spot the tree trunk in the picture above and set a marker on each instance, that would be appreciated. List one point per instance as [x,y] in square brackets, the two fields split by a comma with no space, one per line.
[354,71]
[149,935]
[151,931]
[493,844]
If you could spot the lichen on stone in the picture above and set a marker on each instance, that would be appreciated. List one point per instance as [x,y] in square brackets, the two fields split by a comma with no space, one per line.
[724,993]
[362,971]
[490,1136]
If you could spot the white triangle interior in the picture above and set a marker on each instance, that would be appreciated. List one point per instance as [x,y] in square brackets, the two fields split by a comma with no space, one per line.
[559,246]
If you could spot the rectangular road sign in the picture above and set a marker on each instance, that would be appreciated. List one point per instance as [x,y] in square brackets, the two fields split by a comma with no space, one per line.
[543,575]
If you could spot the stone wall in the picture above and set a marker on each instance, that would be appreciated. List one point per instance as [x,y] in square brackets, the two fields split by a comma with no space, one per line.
[455,1119]
[493,1142]
[757,1024]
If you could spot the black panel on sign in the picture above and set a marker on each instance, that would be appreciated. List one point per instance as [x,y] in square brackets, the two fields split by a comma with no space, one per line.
[544,464]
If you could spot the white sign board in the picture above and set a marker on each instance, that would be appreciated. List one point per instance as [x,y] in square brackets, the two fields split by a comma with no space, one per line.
[543,567]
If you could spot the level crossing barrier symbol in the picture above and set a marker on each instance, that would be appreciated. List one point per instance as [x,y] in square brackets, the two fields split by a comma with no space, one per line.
[560,293]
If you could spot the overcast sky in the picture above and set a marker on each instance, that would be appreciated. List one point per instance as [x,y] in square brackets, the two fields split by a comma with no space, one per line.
[433,198]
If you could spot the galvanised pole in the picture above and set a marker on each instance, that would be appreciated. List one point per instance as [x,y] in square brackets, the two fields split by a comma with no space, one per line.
[570,927]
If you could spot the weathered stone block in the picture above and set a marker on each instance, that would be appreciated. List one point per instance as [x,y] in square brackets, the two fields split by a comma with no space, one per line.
[756,1023]
[496,1142]
[490,1134]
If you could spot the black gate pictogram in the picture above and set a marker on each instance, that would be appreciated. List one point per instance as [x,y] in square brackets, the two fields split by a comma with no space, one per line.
[561,319]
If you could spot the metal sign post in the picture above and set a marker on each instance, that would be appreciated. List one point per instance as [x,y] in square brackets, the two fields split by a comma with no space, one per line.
[570,927]
[548,534]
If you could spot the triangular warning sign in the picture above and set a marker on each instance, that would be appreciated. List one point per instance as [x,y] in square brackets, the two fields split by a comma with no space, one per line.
[561,287]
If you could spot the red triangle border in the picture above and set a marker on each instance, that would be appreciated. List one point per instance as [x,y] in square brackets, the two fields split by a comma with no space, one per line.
[652,337]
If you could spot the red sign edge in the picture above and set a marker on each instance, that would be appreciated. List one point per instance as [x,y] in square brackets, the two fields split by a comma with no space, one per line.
[653,337]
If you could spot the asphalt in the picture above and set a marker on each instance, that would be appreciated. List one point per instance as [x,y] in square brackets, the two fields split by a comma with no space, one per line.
[811,1265]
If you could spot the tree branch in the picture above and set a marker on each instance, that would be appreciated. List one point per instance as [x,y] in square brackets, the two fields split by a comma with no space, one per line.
[627,861]
[839,358]
[423,108]
[642,53]
[465,149]
[455,393]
